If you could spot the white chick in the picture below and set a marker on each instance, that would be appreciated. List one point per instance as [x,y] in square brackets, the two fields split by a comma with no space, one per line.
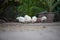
[27,18]
[21,19]
[34,19]
[43,18]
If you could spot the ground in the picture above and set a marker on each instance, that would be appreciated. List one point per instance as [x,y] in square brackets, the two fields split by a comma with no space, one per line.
[37,31]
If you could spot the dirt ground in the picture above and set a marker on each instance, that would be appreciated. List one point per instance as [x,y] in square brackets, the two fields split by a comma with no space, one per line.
[30,31]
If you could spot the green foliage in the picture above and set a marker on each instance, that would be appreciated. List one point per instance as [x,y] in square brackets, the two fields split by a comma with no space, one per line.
[8,10]
[51,4]
[32,7]
[29,7]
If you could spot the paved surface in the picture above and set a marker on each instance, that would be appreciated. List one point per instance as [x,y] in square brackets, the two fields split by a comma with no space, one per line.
[37,31]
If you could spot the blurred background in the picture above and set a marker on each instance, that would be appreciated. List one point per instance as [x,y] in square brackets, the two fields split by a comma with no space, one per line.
[10,9]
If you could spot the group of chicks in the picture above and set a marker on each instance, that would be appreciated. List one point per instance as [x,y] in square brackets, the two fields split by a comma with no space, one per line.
[28,19]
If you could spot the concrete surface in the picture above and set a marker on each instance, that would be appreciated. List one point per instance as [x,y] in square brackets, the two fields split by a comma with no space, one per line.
[37,31]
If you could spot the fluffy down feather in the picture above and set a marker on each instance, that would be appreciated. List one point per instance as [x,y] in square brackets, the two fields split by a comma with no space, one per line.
[21,19]
[43,18]
[34,19]
[27,18]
